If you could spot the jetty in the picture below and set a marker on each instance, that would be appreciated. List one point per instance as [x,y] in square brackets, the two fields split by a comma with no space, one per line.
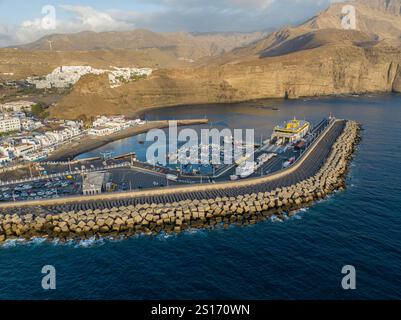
[320,171]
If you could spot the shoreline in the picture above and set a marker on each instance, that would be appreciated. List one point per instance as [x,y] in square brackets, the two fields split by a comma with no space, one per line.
[142,112]
[77,147]
[151,218]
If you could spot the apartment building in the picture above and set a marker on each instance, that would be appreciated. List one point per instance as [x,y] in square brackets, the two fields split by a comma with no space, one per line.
[9,124]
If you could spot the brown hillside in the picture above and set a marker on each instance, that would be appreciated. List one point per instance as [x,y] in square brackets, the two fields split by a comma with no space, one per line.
[314,59]
[321,71]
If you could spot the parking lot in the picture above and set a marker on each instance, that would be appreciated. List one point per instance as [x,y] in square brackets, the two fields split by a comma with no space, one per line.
[44,189]
[139,176]
[133,179]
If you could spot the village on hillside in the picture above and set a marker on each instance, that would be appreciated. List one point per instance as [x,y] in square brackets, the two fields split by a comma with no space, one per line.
[25,136]
[67,76]
[27,133]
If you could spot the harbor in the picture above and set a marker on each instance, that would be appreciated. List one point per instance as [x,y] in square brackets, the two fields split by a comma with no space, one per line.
[127,173]
[77,147]
[319,171]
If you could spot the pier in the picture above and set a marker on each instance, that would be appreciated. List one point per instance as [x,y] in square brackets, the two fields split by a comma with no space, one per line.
[318,172]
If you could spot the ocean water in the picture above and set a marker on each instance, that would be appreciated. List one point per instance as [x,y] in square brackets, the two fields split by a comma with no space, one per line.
[300,258]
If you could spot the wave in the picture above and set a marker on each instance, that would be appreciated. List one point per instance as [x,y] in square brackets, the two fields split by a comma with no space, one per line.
[275,218]
[12,243]
[165,236]
[90,243]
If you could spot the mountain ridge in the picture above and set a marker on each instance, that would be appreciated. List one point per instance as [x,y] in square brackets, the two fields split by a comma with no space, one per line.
[316,58]
[208,44]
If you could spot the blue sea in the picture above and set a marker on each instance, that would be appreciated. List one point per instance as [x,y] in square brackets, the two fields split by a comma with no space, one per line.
[300,258]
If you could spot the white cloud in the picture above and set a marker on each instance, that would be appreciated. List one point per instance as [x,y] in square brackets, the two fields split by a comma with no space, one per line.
[262,4]
[170,15]
[84,18]
[90,19]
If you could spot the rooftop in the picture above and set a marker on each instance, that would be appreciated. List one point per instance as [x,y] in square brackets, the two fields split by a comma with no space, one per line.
[94,180]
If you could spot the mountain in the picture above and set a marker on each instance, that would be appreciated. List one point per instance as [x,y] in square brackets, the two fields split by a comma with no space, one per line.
[138,48]
[315,58]
[316,72]
[380,18]
[186,45]
[378,22]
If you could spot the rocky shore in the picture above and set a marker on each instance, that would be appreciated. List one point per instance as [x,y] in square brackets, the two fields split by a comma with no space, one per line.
[151,218]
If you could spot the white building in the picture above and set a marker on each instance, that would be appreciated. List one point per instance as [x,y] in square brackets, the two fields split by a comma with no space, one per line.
[4,156]
[94,183]
[44,140]
[67,76]
[17,106]
[63,77]
[35,156]
[9,124]
[103,126]
[118,76]
[23,149]
[30,125]
[101,131]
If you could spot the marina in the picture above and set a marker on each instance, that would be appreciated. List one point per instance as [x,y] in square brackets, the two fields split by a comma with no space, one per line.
[319,172]
[127,173]
[320,222]
[188,151]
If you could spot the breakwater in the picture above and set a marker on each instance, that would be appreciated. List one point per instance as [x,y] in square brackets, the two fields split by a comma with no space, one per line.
[252,200]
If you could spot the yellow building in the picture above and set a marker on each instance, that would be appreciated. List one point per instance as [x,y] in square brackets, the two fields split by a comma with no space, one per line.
[290,131]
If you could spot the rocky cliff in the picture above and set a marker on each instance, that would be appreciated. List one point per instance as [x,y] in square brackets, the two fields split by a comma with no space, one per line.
[315,72]
[315,59]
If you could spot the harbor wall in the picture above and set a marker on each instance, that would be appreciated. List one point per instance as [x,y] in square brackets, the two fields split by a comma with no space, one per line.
[153,218]
[172,190]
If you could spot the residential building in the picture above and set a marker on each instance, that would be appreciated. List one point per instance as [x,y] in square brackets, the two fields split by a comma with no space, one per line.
[17,106]
[9,124]
[101,131]
[23,149]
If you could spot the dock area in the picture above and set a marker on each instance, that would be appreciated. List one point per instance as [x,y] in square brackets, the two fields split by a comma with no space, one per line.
[77,147]
[320,171]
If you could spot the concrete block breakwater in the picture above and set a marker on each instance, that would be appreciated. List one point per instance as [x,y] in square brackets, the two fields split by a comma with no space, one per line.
[174,217]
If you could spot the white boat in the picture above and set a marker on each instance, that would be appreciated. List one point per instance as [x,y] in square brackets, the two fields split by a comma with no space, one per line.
[246,170]
[171,177]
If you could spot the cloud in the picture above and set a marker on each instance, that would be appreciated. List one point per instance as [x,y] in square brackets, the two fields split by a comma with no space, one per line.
[89,19]
[224,15]
[84,18]
[167,16]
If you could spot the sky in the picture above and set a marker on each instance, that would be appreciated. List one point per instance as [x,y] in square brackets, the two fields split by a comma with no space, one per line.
[23,21]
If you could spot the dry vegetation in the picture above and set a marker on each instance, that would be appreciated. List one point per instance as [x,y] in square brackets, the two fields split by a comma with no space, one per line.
[313,59]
